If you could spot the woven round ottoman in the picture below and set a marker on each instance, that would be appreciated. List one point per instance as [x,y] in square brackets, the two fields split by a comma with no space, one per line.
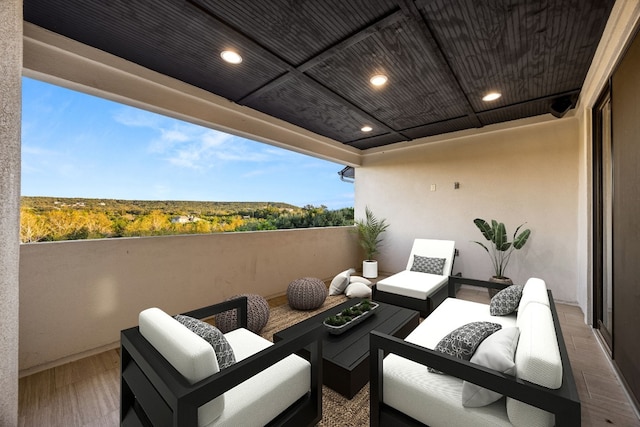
[307,293]
[257,315]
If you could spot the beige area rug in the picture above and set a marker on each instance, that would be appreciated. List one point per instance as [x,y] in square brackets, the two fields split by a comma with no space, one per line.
[337,410]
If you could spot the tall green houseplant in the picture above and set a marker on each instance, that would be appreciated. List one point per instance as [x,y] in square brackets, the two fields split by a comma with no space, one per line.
[500,249]
[369,231]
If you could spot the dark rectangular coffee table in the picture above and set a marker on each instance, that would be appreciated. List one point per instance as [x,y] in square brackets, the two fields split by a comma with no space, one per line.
[345,366]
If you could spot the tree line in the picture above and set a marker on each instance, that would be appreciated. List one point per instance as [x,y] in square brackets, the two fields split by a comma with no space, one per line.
[53,219]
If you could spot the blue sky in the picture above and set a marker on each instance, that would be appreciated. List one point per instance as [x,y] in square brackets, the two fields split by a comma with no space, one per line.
[77,145]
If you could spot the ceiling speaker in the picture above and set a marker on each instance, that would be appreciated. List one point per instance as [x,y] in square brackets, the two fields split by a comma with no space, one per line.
[560,106]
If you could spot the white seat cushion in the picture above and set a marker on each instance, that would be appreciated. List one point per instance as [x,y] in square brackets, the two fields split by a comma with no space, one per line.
[412,284]
[434,399]
[264,396]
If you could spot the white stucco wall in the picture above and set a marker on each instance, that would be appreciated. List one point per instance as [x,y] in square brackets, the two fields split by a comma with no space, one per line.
[524,174]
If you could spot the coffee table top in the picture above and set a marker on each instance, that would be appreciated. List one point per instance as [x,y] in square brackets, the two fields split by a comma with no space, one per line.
[349,349]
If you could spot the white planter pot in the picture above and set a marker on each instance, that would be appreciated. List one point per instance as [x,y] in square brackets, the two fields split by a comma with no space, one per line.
[370,269]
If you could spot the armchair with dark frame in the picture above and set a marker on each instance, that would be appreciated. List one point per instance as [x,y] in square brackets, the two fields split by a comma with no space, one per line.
[154,393]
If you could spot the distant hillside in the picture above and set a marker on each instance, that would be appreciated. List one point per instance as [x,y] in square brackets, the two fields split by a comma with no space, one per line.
[171,207]
[63,218]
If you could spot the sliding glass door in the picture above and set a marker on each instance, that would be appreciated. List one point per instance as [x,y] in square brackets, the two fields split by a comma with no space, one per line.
[603,224]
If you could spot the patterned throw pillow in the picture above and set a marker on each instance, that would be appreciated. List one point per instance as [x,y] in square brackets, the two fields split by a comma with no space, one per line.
[462,342]
[506,301]
[425,264]
[211,334]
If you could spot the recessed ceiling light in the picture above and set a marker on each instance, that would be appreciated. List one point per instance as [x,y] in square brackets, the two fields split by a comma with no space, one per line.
[231,56]
[366,129]
[378,79]
[491,96]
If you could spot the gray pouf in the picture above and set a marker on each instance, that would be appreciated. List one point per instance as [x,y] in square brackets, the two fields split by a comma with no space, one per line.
[307,293]
[257,315]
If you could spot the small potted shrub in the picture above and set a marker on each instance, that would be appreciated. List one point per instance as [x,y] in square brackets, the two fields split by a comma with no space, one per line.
[369,231]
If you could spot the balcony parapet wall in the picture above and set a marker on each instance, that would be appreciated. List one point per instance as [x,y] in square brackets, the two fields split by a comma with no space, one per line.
[76,296]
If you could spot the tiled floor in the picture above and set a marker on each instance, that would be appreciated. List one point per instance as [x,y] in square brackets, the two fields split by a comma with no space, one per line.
[86,393]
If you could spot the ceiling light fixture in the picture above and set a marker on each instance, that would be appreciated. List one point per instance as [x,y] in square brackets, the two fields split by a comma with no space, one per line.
[366,129]
[378,79]
[231,57]
[491,96]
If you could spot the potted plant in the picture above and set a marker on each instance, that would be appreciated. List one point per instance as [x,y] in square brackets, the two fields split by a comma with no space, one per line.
[369,231]
[500,249]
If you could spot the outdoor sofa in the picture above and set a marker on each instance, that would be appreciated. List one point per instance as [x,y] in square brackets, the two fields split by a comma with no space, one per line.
[541,393]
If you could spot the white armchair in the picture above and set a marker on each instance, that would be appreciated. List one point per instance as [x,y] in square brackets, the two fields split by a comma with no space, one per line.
[423,285]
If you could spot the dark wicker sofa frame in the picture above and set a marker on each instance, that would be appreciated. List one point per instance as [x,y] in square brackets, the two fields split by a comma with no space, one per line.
[154,393]
[563,402]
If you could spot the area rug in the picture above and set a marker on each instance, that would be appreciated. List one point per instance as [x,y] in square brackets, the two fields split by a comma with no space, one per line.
[337,410]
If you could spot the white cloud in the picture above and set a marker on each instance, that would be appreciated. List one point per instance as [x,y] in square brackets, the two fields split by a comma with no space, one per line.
[190,146]
[37,151]
[130,116]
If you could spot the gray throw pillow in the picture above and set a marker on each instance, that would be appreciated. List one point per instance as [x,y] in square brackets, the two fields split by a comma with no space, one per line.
[506,301]
[463,341]
[425,264]
[211,334]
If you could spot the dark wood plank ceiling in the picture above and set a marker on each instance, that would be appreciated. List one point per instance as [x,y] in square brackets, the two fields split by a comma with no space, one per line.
[309,62]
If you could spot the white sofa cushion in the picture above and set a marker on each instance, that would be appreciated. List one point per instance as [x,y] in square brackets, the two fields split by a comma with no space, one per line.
[412,284]
[357,290]
[262,397]
[535,290]
[537,361]
[340,282]
[189,354]
[359,279]
[496,352]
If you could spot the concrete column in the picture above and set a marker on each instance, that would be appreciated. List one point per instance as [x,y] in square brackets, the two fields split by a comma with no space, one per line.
[10,121]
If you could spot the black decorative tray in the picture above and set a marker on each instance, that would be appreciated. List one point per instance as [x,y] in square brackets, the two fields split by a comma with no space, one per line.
[349,317]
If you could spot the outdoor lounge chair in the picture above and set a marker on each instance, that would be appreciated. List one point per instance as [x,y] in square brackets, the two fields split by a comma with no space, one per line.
[423,285]
[170,376]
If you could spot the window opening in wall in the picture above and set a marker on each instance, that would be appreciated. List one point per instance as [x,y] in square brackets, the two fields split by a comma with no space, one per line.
[93,168]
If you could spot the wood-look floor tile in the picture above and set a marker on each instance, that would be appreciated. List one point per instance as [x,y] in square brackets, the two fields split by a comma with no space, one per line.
[97,395]
[35,391]
[598,416]
[112,419]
